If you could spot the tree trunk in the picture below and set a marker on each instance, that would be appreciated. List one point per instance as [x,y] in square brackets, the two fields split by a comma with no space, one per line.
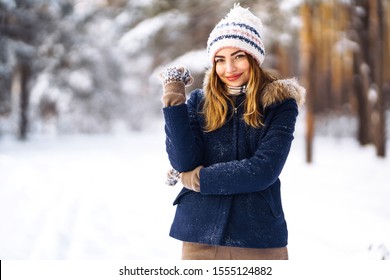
[309,72]
[361,75]
[379,25]
[359,89]
[24,100]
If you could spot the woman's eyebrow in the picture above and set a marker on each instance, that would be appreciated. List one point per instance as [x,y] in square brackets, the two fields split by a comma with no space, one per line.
[232,54]
[236,52]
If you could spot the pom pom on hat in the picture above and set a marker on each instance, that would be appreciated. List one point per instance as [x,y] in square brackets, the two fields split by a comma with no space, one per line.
[239,29]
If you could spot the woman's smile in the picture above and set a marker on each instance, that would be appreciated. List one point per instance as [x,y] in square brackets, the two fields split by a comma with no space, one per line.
[232,78]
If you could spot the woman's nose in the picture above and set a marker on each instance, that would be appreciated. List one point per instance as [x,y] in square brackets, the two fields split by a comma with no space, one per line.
[230,66]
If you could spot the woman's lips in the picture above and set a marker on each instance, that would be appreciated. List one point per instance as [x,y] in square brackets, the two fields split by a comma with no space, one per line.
[233,77]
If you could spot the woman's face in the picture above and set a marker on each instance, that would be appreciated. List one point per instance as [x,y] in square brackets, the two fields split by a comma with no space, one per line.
[232,66]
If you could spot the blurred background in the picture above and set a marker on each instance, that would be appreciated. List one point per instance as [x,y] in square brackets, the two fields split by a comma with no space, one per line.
[91,66]
[90,69]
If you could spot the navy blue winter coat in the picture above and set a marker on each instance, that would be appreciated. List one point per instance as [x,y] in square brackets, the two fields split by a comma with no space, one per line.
[239,203]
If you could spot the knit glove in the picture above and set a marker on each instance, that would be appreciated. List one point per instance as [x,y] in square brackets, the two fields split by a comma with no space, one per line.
[173,176]
[174,80]
[191,179]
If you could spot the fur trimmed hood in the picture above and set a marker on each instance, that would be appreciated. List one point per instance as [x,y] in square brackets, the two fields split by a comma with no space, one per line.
[276,91]
[280,90]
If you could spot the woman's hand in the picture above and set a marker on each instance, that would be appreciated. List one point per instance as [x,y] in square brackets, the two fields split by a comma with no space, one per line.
[174,80]
[177,74]
[191,179]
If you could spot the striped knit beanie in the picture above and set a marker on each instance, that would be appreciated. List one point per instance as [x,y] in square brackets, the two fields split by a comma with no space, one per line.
[239,29]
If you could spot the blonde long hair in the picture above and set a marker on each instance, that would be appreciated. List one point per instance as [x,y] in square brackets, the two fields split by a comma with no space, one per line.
[216,107]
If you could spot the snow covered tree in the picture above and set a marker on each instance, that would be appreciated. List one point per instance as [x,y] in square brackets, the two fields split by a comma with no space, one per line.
[23,27]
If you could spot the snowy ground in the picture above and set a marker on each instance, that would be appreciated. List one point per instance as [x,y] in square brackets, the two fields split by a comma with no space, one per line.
[104,197]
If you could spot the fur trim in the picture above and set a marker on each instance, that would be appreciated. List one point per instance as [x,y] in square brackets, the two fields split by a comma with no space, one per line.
[280,90]
[206,79]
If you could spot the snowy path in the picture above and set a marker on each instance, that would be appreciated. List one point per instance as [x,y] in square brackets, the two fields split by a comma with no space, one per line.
[88,197]
[85,198]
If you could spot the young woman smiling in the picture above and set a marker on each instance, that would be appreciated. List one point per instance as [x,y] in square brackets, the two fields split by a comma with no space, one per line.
[229,141]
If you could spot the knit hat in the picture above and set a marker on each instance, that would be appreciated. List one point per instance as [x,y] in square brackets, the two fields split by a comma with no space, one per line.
[239,29]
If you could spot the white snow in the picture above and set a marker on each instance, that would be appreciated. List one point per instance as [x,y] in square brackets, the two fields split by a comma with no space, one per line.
[198,58]
[81,80]
[199,62]
[104,197]
[137,38]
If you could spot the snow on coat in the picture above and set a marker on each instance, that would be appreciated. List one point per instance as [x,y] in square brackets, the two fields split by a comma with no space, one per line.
[239,203]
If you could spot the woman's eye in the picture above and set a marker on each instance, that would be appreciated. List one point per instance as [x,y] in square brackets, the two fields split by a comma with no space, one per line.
[239,56]
[219,60]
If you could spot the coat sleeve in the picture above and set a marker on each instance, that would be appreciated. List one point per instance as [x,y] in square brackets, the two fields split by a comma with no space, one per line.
[264,167]
[183,134]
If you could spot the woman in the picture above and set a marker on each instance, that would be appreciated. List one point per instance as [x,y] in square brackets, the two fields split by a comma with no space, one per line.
[229,141]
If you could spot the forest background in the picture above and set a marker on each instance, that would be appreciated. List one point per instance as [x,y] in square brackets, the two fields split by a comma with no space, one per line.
[91,66]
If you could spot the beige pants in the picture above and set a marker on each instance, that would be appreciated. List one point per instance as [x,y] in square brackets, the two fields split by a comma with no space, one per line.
[197,251]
